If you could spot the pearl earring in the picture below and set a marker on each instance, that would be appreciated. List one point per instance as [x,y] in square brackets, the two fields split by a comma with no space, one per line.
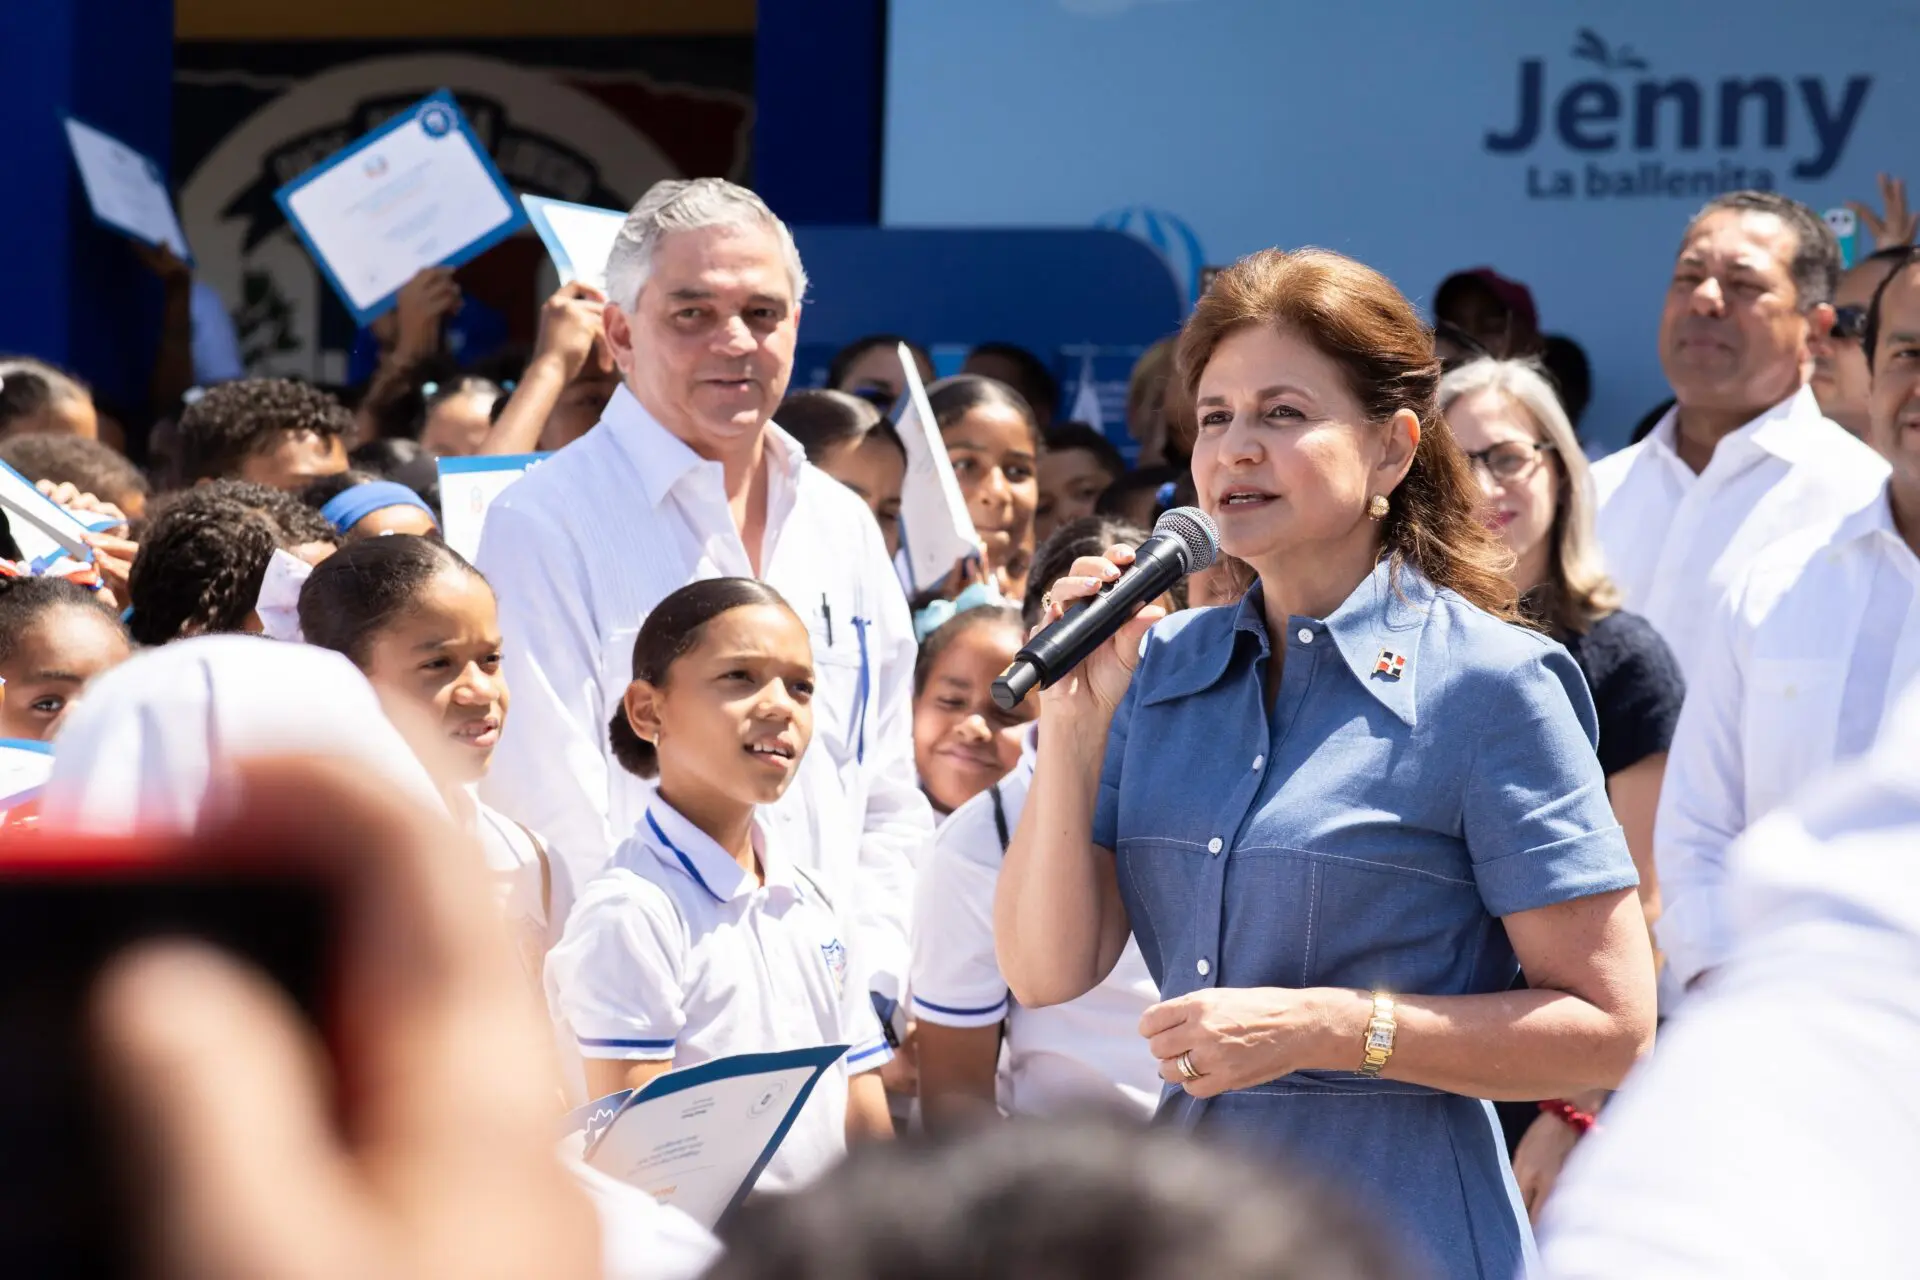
[1378,507]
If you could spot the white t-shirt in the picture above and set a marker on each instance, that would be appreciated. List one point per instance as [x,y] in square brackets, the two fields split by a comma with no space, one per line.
[675,953]
[1083,1053]
[520,882]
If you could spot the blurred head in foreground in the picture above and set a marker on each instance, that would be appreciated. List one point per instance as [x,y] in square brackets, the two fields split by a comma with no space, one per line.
[1060,1200]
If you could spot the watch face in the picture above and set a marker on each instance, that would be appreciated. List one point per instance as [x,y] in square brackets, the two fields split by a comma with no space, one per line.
[1380,1038]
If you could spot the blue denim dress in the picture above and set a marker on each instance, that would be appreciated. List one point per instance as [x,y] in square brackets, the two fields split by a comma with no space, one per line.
[1424,770]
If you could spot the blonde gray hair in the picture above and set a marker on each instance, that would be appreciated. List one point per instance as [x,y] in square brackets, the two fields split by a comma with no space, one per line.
[1582,592]
[689,205]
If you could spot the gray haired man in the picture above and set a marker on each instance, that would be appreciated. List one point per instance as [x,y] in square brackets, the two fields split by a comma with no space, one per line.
[687,477]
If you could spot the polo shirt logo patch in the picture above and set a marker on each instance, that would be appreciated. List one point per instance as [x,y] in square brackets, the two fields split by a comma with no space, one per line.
[835,954]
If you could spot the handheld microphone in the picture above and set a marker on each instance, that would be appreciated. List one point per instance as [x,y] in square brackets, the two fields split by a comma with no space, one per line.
[1184,541]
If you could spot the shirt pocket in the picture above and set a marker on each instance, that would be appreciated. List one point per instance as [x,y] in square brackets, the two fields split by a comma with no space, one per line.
[1793,720]
[1161,882]
[842,686]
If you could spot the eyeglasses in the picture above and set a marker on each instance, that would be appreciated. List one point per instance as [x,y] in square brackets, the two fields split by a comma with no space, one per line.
[1849,323]
[1509,460]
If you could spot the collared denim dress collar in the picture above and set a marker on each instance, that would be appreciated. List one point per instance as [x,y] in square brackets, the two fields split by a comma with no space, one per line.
[1423,770]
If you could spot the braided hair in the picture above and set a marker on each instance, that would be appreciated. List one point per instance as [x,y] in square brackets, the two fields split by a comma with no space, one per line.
[199,568]
[294,523]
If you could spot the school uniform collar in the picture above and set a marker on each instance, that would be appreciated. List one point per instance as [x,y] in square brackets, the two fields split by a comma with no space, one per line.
[683,847]
[663,459]
[1383,618]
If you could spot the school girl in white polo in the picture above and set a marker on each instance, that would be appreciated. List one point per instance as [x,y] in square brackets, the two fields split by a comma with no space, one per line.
[704,938]
[978,1048]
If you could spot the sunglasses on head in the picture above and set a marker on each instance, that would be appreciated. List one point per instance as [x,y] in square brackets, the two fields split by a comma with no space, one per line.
[1849,323]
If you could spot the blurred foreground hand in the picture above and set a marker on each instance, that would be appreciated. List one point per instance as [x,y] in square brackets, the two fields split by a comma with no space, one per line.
[425,1150]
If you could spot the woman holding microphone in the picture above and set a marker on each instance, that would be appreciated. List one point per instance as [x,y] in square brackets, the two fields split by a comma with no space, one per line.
[1340,815]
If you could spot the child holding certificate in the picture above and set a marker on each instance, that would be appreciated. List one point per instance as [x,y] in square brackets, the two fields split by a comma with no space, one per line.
[704,938]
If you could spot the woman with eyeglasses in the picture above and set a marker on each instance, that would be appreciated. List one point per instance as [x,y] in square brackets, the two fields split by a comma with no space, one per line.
[1539,501]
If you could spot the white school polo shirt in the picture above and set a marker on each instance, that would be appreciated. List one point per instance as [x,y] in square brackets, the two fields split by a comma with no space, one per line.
[1086,1052]
[1675,541]
[675,953]
[1799,671]
[583,548]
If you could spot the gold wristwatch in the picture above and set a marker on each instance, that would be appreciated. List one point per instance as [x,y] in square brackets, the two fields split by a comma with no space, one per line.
[1380,1029]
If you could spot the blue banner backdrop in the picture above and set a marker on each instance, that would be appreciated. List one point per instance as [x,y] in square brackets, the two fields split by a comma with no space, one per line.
[1563,145]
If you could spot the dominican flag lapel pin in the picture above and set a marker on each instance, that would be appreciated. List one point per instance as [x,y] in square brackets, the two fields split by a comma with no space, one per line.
[1391,665]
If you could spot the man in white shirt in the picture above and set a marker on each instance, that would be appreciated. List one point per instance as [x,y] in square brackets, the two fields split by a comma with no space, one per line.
[1773,1132]
[1745,457]
[687,477]
[1800,663]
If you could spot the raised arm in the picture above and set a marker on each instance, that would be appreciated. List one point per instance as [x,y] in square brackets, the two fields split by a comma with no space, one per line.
[570,336]
[1059,923]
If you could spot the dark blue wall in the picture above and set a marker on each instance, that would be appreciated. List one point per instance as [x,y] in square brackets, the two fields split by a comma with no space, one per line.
[819,85]
[71,291]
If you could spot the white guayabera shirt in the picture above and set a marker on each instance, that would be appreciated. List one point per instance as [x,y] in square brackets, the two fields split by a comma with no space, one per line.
[1772,1132]
[581,550]
[1799,670]
[1676,541]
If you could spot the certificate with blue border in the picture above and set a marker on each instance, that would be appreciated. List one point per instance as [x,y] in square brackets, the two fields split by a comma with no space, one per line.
[579,237]
[420,191]
[41,527]
[698,1138]
[468,487]
[125,188]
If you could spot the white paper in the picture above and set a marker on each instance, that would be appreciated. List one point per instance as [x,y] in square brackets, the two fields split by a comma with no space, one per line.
[468,487]
[579,238]
[1086,401]
[40,525]
[126,189]
[935,530]
[693,1148]
[24,769]
[406,201]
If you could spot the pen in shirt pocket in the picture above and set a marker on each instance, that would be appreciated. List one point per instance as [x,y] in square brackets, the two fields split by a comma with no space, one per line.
[826,616]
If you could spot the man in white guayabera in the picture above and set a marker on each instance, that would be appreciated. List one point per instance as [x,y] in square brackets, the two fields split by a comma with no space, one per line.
[685,477]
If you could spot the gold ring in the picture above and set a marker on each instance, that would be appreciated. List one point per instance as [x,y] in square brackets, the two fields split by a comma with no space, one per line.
[1185,1063]
[1046,602]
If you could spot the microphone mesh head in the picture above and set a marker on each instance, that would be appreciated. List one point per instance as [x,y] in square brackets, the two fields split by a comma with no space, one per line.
[1195,531]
